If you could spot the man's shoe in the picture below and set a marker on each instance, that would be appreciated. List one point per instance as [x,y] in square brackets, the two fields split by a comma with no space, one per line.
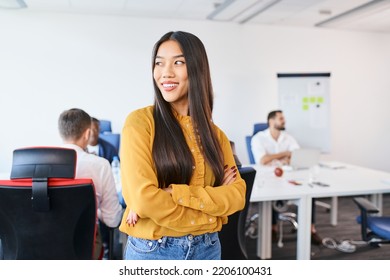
[315,239]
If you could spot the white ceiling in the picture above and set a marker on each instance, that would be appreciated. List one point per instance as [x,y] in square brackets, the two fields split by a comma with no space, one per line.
[307,13]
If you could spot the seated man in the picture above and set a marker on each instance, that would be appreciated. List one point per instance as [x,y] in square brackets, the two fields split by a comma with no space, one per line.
[75,128]
[102,148]
[99,146]
[273,147]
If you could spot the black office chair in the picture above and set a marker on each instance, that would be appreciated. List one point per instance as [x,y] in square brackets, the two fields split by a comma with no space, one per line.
[232,235]
[375,230]
[44,212]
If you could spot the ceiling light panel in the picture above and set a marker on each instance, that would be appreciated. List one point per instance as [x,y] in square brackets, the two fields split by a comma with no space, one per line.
[101,6]
[230,9]
[12,4]
[357,13]
[45,5]
[284,11]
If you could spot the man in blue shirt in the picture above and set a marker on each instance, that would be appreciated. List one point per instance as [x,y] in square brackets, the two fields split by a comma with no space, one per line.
[102,148]
[99,146]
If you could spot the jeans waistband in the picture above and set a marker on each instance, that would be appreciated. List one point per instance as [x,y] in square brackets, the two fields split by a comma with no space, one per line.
[183,240]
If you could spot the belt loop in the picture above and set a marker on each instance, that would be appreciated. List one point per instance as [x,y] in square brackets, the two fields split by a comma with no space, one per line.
[162,241]
[207,239]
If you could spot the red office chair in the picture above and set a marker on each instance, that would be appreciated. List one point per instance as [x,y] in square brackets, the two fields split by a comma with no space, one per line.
[44,212]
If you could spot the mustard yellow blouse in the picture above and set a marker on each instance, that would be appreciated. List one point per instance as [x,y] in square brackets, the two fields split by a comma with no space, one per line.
[196,208]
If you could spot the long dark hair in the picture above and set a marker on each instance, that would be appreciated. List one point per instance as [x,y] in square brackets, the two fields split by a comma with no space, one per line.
[171,154]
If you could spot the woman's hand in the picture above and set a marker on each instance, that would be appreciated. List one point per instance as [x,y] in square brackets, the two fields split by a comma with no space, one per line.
[230,175]
[168,190]
[132,218]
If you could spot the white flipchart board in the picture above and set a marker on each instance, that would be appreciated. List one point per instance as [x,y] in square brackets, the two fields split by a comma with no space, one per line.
[304,100]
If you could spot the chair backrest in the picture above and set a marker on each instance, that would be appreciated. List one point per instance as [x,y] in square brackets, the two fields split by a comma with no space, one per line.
[256,128]
[232,235]
[44,212]
[105,126]
[259,127]
[112,138]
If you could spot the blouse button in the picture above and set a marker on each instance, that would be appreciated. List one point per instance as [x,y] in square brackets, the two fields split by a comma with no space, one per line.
[193,167]
[201,206]
[210,220]
[180,200]
[192,222]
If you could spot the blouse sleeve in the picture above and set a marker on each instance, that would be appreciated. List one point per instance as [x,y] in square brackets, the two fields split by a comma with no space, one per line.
[218,200]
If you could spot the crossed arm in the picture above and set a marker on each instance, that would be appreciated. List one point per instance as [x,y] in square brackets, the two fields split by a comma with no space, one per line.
[229,178]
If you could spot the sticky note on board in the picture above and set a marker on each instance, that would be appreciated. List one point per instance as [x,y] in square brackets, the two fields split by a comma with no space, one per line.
[305,107]
[305,100]
[320,99]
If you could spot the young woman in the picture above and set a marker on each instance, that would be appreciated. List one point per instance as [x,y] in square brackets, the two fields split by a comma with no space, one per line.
[179,179]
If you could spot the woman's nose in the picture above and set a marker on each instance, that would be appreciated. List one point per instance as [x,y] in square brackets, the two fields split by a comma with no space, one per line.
[168,72]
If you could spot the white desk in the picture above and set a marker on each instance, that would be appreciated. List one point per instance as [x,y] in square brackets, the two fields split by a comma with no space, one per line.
[349,181]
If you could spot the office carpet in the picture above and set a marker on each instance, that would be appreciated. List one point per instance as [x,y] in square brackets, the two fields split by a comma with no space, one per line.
[346,229]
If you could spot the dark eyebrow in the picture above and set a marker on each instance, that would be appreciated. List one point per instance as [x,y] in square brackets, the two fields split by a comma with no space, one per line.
[176,56]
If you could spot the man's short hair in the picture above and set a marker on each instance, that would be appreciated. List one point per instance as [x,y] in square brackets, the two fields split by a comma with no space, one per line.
[95,120]
[272,114]
[73,123]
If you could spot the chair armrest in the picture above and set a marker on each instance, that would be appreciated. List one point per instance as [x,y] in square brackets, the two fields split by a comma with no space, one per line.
[365,205]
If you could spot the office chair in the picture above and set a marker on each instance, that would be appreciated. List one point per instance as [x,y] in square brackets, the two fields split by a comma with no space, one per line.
[112,138]
[257,127]
[232,235]
[375,230]
[105,126]
[44,212]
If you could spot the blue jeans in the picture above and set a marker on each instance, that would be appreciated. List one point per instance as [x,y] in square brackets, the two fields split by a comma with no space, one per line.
[189,247]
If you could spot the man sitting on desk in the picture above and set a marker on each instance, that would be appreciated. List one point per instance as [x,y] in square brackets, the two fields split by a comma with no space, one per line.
[99,146]
[273,147]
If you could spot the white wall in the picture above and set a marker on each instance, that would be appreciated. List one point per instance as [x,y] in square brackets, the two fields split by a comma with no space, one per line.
[52,62]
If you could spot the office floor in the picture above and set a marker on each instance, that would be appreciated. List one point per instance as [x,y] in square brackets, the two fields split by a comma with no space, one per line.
[347,228]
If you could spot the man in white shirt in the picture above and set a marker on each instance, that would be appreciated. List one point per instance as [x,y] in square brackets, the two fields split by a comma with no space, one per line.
[75,127]
[273,147]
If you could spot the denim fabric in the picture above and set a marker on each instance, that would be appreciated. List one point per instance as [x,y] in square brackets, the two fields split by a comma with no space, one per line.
[189,247]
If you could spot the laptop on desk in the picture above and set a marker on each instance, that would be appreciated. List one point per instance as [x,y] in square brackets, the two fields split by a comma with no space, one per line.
[304,158]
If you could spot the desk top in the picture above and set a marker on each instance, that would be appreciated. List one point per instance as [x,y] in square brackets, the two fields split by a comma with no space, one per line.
[350,180]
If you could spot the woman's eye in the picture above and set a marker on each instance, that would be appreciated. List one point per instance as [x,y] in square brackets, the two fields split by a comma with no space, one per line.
[179,62]
[158,63]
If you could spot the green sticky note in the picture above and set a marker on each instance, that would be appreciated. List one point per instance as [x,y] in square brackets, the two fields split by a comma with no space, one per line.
[312,99]
[305,107]
[305,100]
[320,99]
